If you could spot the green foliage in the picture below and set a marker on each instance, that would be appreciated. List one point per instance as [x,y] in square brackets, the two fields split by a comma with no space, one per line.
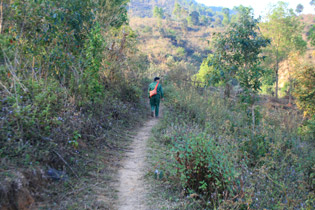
[299,8]
[32,114]
[204,20]
[180,51]
[205,70]
[74,141]
[218,22]
[202,166]
[237,54]
[59,30]
[94,56]
[305,96]
[193,18]
[284,29]
[226,16]
[61,83]
[305,89]
[311,35]
[177,10]
[158,12]
[266,166]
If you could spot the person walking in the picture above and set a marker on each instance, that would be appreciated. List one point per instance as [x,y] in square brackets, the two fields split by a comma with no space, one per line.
[156,94]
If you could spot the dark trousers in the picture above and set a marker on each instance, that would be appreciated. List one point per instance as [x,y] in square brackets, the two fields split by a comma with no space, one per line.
[155,104]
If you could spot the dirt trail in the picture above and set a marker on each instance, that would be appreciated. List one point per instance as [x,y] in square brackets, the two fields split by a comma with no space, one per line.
[131,189]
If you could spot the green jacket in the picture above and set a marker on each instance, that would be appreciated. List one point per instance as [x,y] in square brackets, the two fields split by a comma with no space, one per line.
[159,89]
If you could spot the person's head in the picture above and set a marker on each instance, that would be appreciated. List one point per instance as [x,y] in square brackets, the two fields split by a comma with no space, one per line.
[156,79]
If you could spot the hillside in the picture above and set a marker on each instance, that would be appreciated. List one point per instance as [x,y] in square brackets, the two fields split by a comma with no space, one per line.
[144,8]
[172,42]
[79,131]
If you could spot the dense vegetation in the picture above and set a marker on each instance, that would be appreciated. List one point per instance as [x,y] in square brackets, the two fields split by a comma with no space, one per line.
[67,72]
[214,155]
[239,120]
[237,132]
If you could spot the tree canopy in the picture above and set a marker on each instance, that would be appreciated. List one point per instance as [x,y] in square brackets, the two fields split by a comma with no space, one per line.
[284,30]
[237,53]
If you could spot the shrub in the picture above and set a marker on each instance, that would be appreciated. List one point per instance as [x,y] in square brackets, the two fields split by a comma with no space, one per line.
[305,95]
[203,166]
[270,166]
[180,52]
[30,114]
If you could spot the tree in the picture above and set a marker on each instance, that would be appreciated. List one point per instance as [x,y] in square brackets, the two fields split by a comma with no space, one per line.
[237,54]
[234,18]
[284,30]
[184,13]
[177,10]
[158,12]
[194,18]
[218,21]
[299,8]
[305,96]
[226,16]
[52,34]
[311,35]
[204,20]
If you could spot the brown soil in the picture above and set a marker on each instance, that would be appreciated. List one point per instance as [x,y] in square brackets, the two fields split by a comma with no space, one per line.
[131,188]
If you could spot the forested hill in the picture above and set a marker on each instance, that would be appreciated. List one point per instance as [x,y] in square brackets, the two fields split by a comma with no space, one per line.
[144,8]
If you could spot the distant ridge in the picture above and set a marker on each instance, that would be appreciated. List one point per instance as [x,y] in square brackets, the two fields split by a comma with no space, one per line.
[144,8]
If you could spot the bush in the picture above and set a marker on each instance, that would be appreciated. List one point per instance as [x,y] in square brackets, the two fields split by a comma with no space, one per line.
[31,114]
[203,166]
[269,166]
[305,96]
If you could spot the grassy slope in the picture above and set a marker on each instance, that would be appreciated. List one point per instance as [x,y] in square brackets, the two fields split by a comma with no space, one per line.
[274,165]
[159,46]
[102,131]
[273,185]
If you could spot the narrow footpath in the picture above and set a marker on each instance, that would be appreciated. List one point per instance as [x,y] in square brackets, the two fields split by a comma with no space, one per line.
[131,188]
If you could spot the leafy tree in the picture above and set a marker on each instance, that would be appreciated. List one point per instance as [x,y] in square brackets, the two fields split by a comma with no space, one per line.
[311,35]
[53,35]
[177,10]
[305,96]
[204,71]
[194,18]
[299,8]
[209,12]
[158,12]
[236,54]
[184,13]
[204,20]
[218,21]
[305,89]
[226,16]
[285,31]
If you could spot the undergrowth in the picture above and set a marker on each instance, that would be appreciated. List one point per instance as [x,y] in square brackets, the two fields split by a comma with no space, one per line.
[43,129]
[216,157]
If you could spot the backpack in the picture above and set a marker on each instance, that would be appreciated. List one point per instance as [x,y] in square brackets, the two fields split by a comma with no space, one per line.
[154,92]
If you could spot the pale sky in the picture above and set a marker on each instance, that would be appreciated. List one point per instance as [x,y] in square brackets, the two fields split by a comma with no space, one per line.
[259,6]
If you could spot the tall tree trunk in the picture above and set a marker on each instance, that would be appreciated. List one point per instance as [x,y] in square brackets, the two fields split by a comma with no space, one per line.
[1,16]
[277,74]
